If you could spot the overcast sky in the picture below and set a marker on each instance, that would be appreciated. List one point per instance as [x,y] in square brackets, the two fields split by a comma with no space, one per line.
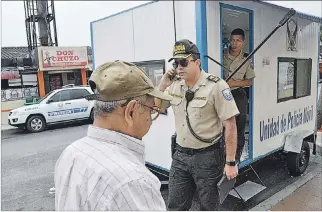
[73,18]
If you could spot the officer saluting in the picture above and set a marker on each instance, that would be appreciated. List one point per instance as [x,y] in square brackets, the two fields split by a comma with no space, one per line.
[202,103]
[243,78]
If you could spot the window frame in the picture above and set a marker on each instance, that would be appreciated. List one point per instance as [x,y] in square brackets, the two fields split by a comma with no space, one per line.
[142,64]
[60,93]
[310,76]
[295,85]
[162,63]
[77,89]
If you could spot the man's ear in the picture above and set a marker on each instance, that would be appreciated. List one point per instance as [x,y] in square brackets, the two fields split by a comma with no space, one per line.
[198,62]
[128,114]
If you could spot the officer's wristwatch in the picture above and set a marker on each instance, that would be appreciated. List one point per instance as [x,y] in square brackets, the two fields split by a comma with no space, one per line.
[231,163]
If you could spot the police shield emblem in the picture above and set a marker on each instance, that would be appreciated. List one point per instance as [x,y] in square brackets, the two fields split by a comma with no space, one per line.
[227,94]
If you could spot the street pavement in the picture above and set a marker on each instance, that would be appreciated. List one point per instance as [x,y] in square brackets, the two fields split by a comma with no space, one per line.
[28,162]
[306,198]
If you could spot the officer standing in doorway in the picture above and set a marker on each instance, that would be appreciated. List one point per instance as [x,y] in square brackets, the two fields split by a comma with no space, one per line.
[202,104]
[243,78]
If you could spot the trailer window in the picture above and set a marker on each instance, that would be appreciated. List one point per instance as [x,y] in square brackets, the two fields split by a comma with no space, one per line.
[293,78]
[303,77]
[285,79]
[154,68]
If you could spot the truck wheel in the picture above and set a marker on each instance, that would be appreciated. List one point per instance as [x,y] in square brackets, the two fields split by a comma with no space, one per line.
[298,162]
[35,124]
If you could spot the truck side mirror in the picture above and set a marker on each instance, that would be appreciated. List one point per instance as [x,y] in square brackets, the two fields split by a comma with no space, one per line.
[49,101]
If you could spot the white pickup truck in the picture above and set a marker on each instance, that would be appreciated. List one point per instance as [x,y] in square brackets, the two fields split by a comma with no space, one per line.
[58,106]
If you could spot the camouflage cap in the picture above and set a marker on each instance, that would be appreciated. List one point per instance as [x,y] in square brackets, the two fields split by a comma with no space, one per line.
[183,49]
[119,80]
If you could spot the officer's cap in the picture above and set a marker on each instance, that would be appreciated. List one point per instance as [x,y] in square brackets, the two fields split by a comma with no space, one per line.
[183,49]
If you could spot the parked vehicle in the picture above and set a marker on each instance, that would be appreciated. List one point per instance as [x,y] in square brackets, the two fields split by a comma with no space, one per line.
[58,106]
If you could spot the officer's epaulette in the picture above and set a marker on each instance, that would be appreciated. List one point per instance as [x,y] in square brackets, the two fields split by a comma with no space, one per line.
[213,78]
[246,54]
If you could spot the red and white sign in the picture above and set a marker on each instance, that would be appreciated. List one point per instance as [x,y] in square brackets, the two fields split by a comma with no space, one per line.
[10,74]
[62,57]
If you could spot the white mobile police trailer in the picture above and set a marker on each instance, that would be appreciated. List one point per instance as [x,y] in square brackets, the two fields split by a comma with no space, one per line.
[283,97]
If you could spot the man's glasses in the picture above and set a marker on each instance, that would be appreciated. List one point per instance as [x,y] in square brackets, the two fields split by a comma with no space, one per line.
[155,111]
[183,63]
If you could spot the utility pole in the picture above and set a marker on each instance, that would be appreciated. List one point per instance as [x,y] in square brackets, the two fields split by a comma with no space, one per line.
[40,27]
[40,23]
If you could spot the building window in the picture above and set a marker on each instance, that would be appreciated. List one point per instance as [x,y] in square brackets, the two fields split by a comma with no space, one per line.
[88,75]
[154,68]
[71,76]
[293,78]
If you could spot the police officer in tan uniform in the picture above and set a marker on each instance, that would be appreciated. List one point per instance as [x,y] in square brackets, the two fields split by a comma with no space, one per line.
[240,80]
[202,104]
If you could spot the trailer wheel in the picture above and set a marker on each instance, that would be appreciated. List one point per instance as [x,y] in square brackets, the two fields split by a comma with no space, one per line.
[298,162]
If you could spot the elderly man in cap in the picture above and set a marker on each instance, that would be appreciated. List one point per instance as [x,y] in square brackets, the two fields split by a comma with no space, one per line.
[105,170]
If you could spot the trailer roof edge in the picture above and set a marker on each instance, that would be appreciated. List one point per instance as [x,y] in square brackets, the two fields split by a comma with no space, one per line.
[124,11]
[300,14]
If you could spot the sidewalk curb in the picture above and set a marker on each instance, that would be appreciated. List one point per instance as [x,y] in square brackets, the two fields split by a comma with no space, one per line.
[267,204]
[6,110]
[6,128]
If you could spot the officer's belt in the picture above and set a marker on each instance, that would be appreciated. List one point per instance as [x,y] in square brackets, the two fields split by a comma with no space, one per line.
[190,151]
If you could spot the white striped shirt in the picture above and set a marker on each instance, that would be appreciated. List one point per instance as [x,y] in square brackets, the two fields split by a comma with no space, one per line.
[105,171]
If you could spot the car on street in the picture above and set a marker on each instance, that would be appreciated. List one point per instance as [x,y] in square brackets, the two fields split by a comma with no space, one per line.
[67,104]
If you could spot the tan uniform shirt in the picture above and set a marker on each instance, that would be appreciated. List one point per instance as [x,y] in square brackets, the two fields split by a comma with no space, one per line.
[244,73]
[212,104]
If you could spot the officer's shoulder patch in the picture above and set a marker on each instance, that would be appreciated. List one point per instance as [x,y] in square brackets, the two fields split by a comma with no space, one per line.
[227,94]
[213,78]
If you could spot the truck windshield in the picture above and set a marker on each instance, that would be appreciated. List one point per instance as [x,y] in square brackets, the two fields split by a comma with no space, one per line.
[42,99]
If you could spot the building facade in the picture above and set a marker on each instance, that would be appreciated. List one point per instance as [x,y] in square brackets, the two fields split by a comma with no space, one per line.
[24,76]
[59,66]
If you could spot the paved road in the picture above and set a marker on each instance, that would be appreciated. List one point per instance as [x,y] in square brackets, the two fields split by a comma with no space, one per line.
[28,162]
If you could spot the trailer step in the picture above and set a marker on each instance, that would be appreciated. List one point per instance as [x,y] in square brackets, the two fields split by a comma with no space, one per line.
[164,182]
[246,190]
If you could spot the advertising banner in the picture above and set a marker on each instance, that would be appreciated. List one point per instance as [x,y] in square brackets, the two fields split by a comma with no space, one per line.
[63,58]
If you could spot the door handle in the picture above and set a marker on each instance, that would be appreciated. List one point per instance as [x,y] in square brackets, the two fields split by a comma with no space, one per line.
[68,103]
